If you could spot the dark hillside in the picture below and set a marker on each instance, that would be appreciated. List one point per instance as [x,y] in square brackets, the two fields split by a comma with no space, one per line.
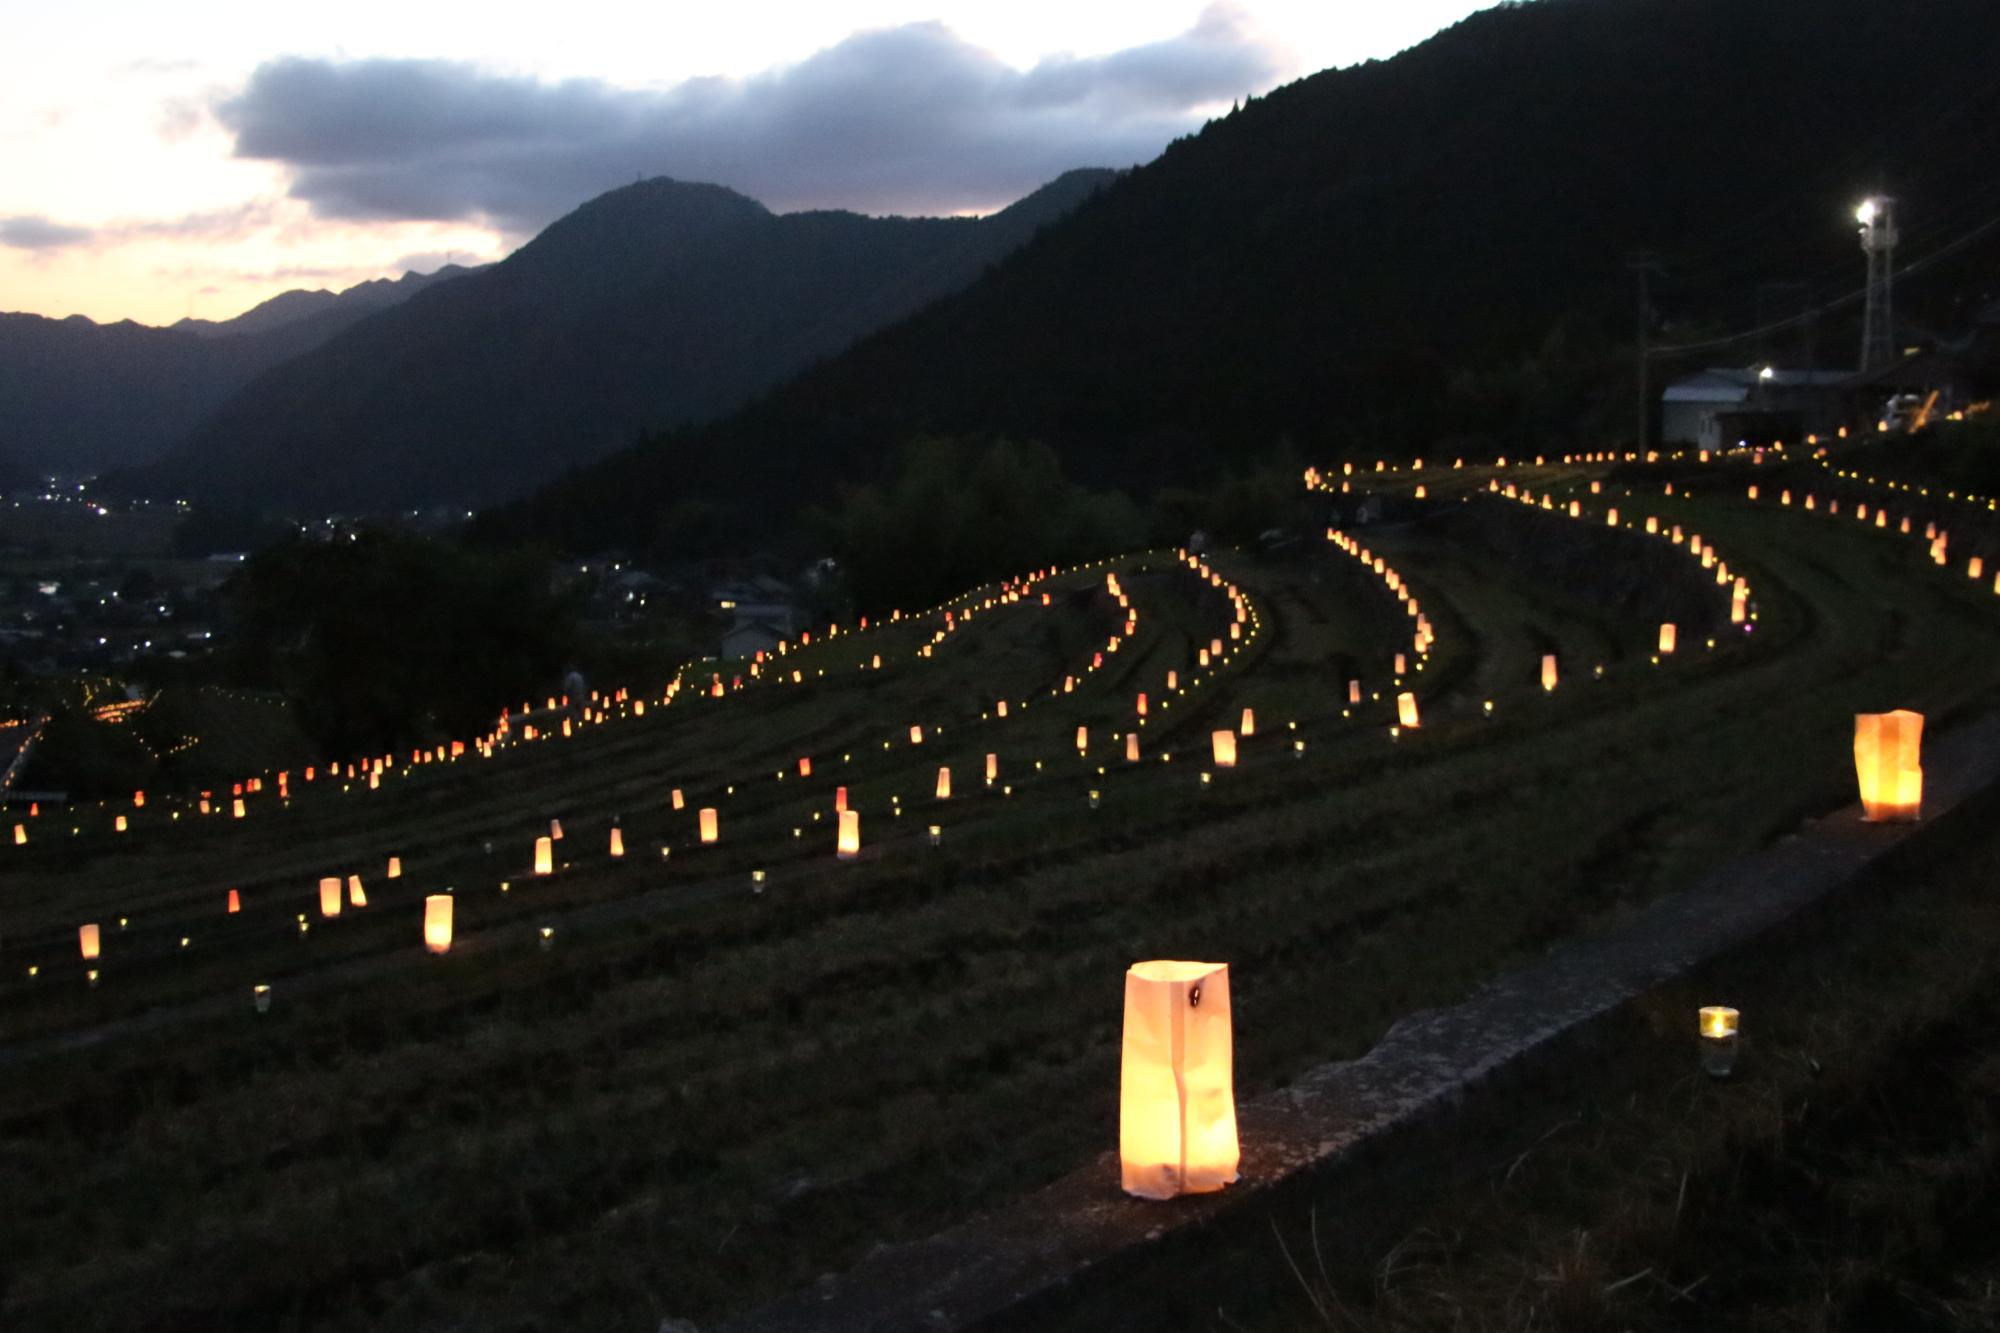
[1426,253]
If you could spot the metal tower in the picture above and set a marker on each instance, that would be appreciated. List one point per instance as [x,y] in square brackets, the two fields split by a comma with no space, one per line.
[1877,217]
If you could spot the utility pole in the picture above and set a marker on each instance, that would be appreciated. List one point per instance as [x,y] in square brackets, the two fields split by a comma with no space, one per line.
[1877,217]
[1644,263]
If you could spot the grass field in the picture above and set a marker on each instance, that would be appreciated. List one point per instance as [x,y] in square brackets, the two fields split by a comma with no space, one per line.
[702,1095]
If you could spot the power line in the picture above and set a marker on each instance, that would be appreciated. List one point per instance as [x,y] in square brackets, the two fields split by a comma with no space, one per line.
[1827,307]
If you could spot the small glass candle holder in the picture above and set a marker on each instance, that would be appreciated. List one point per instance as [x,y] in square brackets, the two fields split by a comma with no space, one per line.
[1095,798]
[548,938]
[1718,1040]
[937,835]
[260,997]
[756,881]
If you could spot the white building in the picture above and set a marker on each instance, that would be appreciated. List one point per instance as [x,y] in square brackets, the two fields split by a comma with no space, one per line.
[1723,406]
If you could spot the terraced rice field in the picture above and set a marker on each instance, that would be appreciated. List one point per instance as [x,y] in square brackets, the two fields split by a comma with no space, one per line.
[704,1090]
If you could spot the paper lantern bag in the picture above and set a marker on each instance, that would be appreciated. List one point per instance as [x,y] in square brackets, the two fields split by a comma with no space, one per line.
[1177,1100]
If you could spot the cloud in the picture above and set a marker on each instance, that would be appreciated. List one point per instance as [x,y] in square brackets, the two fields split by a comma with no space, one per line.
[28,231]
[209,226]
[905,119]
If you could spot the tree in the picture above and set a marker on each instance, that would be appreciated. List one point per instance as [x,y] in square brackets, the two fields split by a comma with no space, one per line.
[388,642]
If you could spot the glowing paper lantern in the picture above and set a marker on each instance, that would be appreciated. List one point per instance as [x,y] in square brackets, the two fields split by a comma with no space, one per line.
[1142,693]
[1223,743]
[1402,664]
[678,800]
[944,784]
[236,810]
[805,766]
[1887,754]
[329,896]
[1176,1090]
[87,941]
[617,841]
[545,855]
[395,867]
[1406,710]
[916,735]
[235,902]
[555,830]
[1549,672]
[1718,1027]
[1083,740]
[1248,726]
[709,831]
[20,835]
[437,923]
[847,843]
[992,768]
[356,895]
[1667,637]
[1353,691]
[1131,747]
[118,824]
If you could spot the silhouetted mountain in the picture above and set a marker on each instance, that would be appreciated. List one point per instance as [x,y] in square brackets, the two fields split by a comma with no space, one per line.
[299,306]
[1424,254]
[658,303]
[77,396]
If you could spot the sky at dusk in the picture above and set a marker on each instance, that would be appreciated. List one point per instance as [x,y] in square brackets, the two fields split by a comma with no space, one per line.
[167,160]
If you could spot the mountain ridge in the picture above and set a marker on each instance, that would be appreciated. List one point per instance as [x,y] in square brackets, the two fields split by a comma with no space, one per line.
[658,302]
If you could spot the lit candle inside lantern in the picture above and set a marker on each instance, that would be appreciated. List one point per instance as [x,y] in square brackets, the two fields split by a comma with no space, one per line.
[118,824]
[944,784]
[236,809]
[545,856]
[1667,637]
[992,768]
[708,824]
[1549,671]
[1176,1095]
[395,867]
[356,896]
[87,940]
[805,766]
[617,841]
[1223,745]
[1353,691]
[1406,710]
[1887,755]
[235,902]
[916,735]
[1131,747]
[847,843]
[1083,740]
[1718,1026]
[437,922]
[329,896]
[1248,725]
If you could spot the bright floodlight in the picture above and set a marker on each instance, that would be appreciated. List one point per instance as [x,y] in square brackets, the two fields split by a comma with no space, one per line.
[1865,214]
